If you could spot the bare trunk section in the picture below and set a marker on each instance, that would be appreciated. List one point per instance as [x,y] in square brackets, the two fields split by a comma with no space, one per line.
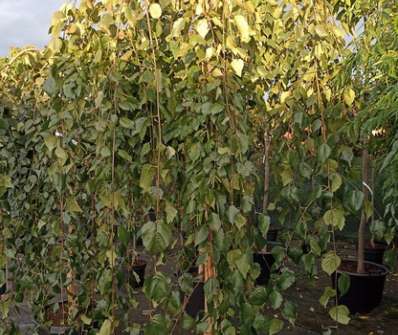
[209,272]
[266,161]
[71,278]
[363,223]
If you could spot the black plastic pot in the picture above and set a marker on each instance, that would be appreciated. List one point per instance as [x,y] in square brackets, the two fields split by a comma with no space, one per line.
[375,254]
[265,260]
[3,289]
[138,270]
[196,301]
[272,234]
[366,289]
[151,215]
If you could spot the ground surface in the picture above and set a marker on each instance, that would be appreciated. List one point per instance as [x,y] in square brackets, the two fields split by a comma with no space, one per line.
[312,318]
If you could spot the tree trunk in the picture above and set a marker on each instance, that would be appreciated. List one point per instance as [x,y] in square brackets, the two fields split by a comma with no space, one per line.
[208,273]
[363,223]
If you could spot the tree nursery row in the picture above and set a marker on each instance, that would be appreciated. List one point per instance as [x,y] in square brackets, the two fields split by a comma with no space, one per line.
[171,167]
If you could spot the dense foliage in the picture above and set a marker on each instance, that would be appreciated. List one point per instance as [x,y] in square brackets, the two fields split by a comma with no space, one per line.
[223,117]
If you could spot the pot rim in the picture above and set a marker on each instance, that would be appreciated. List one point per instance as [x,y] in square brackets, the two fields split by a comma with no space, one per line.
[384,273]
[139,262]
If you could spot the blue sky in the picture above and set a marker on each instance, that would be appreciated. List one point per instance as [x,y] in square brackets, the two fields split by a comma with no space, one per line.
[25,22]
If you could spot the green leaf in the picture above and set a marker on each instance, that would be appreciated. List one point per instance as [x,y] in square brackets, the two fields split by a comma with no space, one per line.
[324,152]
[258,296]
[50,141]
[330,262]
[347,154]
[124,235]
[305,170]
[276,299]
[264,221]
[275,327]
[356,199]
[146,178]
[286,279]
[336,182]
[171,212]
[243,264]
[61,154]
[126,123]
[340,314]
[237,66]
[232,213]
[327,294]
[335,217]
[155,10]
[156,236]
[215,222]
[240,221]
[50,86]
[289,311]
[315,248]
[157,288]
[201,235]
[72,205]
[243,28]
[5,182]
[343,283]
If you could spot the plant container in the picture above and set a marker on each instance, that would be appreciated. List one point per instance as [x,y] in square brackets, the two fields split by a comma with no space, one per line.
[58,317]
[366,289]
[272,234]
[196,301]
[137,275]
[265,260]
[375,253]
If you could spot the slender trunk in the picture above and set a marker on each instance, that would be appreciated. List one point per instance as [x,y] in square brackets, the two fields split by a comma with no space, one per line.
[363,223]
[266,160]
[71,276]
[208,272]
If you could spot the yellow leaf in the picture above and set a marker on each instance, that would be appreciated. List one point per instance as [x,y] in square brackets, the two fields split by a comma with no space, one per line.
[155,10]
[178,26]
[106,328]
[284,96]
[86,320]
[237,65]
[349,96]
[318,51]
[209,52]
[321,31]
[328,93]
[72,205]
[243,27]
[110,254]
[202,28]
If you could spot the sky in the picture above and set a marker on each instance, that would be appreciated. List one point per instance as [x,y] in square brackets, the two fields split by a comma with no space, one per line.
[25,22]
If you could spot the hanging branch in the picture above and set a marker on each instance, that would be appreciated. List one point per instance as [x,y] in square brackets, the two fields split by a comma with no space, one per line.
[159,127]
[267,169]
